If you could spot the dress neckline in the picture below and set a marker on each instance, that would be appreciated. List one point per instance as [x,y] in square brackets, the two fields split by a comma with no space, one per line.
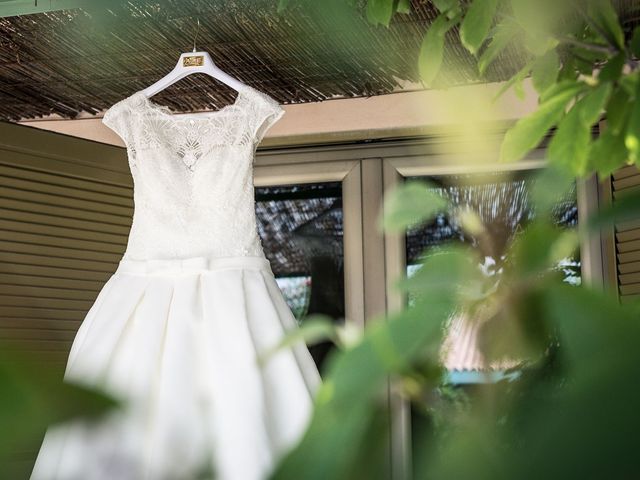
[166,111]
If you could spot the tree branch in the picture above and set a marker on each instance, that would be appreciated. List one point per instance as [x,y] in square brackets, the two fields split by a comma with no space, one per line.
[594,47]
[597,28]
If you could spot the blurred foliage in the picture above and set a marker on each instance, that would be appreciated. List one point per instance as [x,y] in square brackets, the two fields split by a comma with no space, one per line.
[575,391]
[33,396]
[580,60]
[570,410]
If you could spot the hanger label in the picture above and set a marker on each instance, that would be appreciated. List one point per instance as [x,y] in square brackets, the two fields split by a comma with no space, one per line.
[193,61]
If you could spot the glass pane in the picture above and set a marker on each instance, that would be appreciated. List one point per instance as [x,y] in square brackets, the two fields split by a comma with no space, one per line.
[503,203]
[301,231]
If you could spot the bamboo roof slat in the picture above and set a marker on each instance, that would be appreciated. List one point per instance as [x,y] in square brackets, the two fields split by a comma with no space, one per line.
[65,62]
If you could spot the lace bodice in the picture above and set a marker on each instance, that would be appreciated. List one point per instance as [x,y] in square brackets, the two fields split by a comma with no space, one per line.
[193,175]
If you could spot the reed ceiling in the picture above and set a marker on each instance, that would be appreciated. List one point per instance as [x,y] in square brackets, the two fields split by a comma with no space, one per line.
[85,59]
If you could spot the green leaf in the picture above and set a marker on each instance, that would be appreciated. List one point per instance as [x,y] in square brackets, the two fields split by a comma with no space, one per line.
[476,24]
[34,395]
[445,5]
[438,269]
[404,6]
[592,104]
[570,144]
[593,324]
[314,329]
[518,87]
[329,445]
[632,137]
[571,87]
[625,208]
[532,251]
[541,17]
[432,48]
[356,373]
[613,69]
[456,11]
[528,131]
[516,331]
[410,204]
[568,72]
[618,110]
[635,42]
[545,71]
[608,153]
[348,334]
[606,18]
[550,186]
[515,82]
[282,5]
[354,382]
[540,43]
[379,11]
[584,66]
[630,83]
[504,34]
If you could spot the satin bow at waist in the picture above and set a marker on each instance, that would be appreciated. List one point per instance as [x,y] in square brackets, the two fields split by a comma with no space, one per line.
[190,265]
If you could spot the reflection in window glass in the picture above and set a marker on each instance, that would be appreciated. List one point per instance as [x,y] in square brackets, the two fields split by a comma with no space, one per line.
[503,203]
[301,230]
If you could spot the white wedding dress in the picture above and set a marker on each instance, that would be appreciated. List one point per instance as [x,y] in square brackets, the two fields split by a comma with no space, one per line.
[176,330]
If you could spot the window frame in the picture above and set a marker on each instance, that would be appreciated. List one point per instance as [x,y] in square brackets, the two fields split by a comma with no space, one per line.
[373,260]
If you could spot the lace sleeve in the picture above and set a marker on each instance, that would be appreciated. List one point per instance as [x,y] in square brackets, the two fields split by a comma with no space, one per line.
[117,119]
[265,112]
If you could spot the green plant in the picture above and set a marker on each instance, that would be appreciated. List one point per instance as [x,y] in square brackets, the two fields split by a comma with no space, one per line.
[34,396]
[571,412]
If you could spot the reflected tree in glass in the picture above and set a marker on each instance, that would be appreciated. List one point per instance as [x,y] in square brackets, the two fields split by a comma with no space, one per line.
[503,203]
[301,229]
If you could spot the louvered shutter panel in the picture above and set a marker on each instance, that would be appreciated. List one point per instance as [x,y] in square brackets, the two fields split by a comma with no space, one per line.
[627,237]
[66,213]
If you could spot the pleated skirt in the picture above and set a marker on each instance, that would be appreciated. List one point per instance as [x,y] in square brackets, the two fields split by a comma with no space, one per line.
[178,341]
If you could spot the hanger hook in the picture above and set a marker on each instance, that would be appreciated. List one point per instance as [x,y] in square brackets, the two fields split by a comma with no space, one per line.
[196,36]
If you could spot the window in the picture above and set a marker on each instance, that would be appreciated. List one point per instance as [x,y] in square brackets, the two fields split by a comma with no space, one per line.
[301,228]
[502,200]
